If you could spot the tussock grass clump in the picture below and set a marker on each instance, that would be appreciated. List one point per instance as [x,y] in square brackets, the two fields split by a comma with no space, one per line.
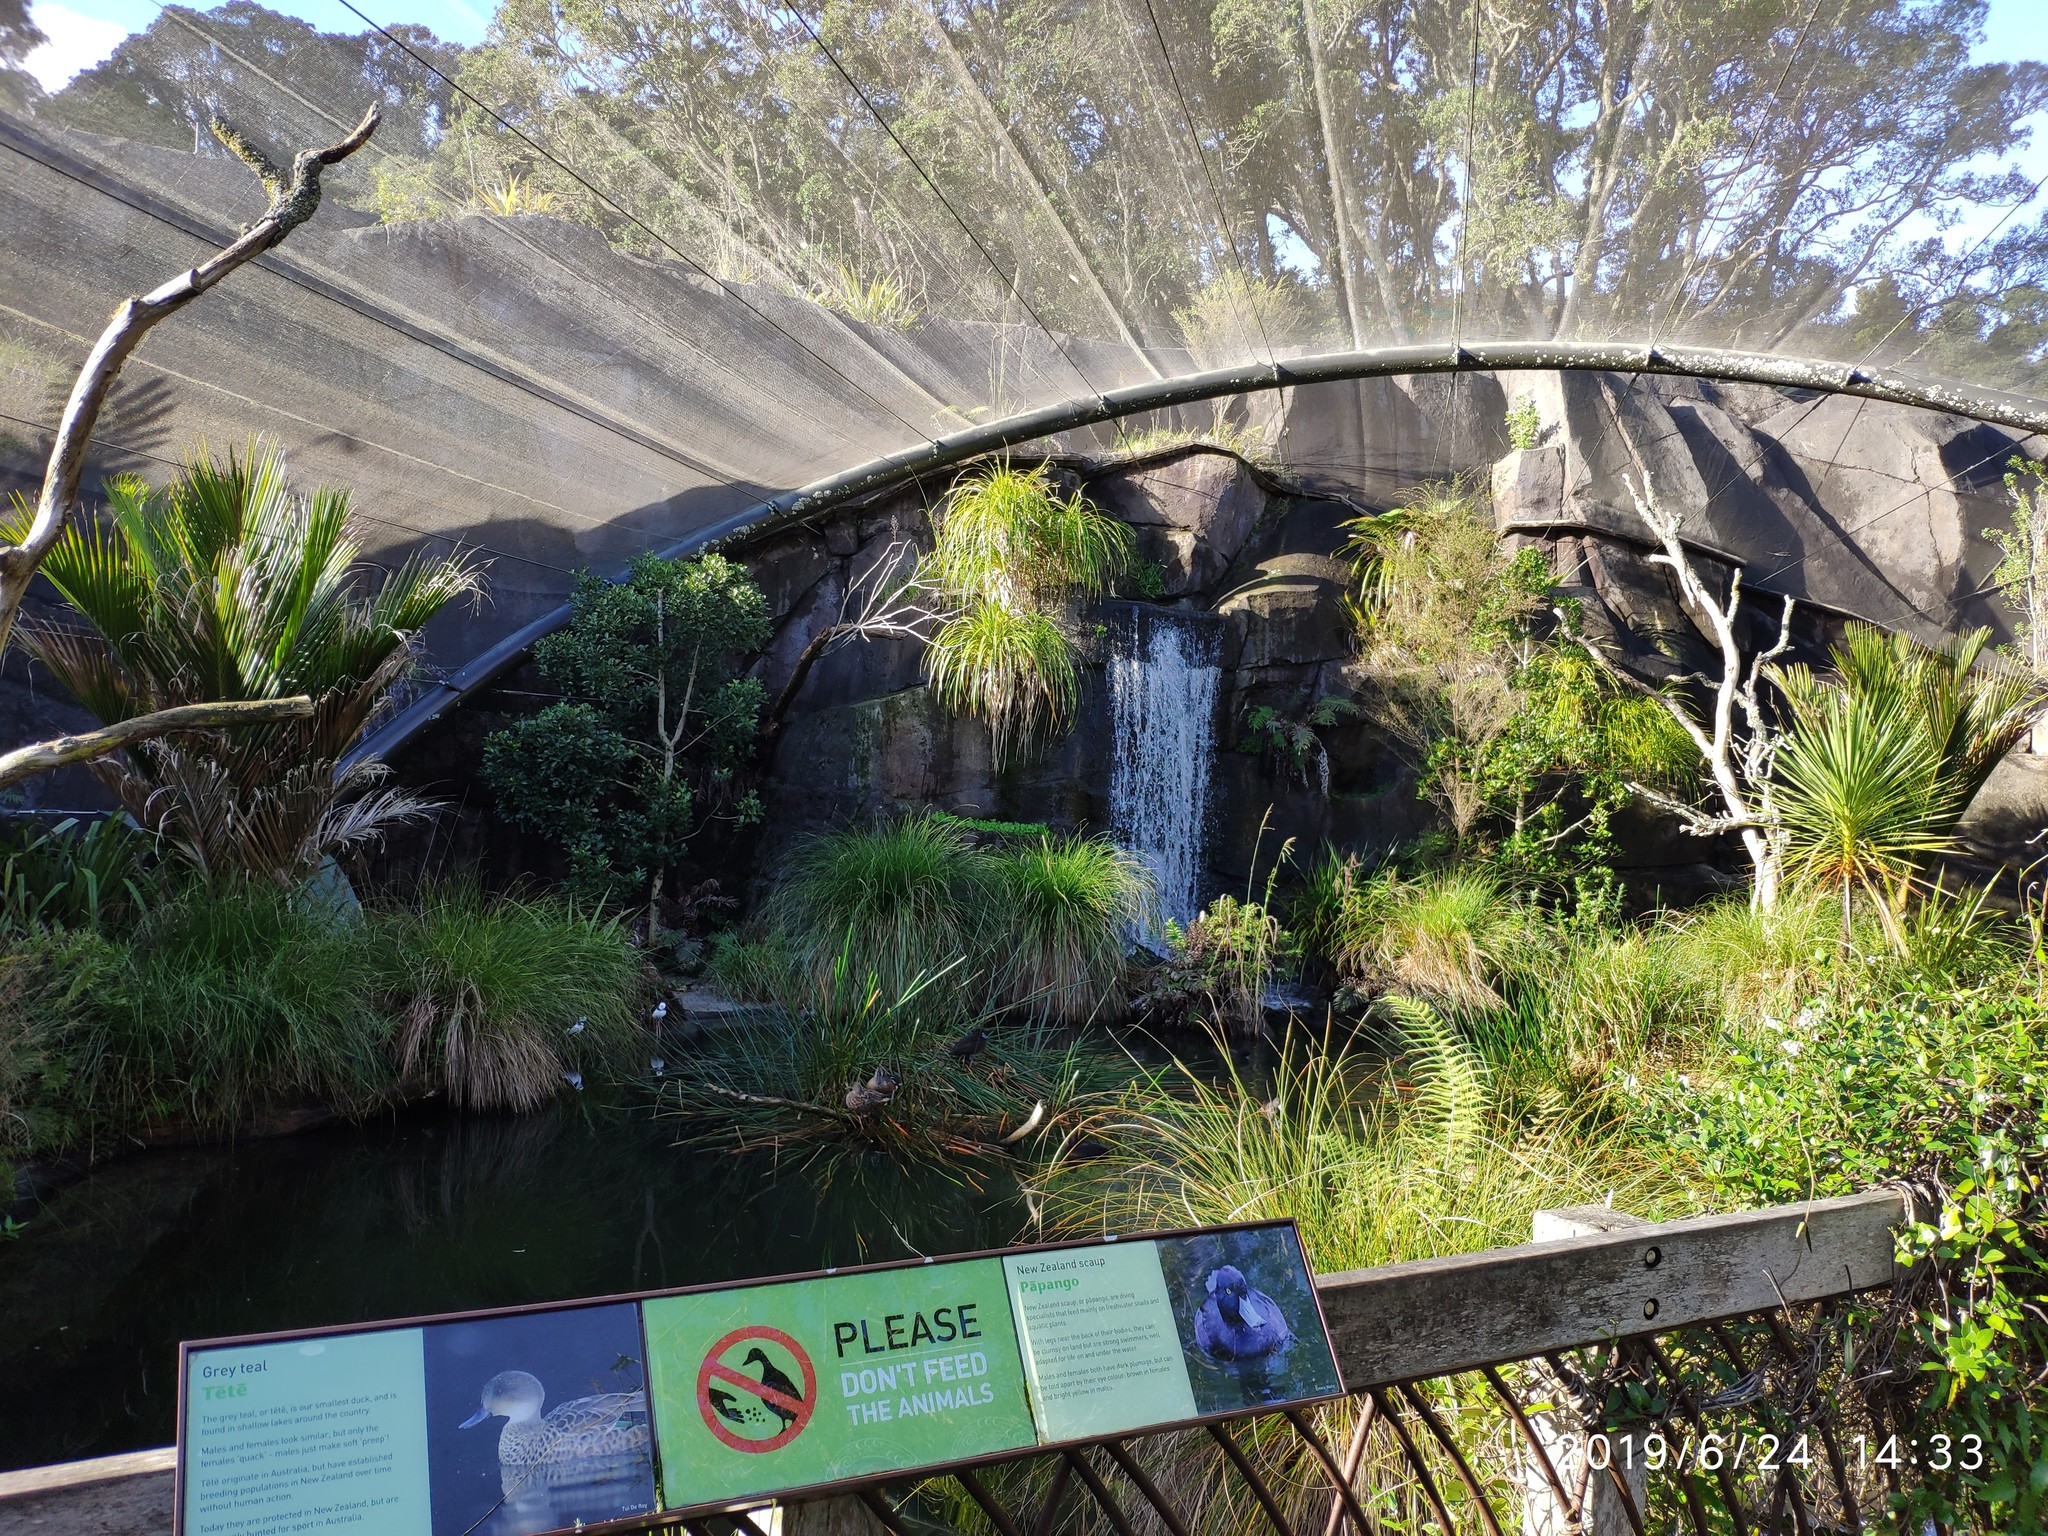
[904,900]
[487,990]
[1378,1159]
[225,998]
[1065,906]
[1449,935]
[917,907]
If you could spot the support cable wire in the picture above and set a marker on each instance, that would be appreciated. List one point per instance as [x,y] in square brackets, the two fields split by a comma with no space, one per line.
[59,163]
[1229,237]
[1008,279]
[729,289]
[709,359]
[454,543]
[265,407]
[1029,174]
[1464,229]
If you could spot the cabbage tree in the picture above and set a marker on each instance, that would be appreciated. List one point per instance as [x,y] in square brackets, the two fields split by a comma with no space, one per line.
[1879,764]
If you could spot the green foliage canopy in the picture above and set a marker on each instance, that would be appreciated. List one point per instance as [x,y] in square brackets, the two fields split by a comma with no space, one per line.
[658,720]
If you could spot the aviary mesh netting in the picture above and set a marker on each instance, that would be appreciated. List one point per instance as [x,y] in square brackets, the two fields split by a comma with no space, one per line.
[622,271]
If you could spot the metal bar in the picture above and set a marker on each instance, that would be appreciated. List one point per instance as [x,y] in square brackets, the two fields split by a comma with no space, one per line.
[880,1508]
[1414,1455]
[1353,1455]
[1533,1440]
[1347,1498]
[1142,1481]
[1062,1474]
[977,1490]
[2025,413]
[1249,1473]
[1100,1490]
[1436,1428]
[1823,1425]
[1731,1497]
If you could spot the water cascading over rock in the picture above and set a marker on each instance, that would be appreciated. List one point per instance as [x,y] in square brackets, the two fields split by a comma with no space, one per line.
[1163,670]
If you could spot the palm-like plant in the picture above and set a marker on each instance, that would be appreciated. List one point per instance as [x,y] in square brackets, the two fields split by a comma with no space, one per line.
[228,584]
[1878,767]
[1009,554]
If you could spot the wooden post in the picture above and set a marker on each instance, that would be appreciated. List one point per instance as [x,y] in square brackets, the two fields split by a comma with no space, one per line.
[1565,1425]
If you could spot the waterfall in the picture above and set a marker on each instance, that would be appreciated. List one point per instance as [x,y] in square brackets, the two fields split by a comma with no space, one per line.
[1163,670]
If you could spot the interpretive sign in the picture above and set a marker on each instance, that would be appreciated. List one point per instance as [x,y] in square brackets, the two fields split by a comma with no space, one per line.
[584,1415]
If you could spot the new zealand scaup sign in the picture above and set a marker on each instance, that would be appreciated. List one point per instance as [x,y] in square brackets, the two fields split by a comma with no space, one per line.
[588,1415]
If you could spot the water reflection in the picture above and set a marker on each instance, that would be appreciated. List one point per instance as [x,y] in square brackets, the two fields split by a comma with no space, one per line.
[427,1213]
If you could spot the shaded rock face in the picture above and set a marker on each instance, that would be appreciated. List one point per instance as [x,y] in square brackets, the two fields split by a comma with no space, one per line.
[1851,509]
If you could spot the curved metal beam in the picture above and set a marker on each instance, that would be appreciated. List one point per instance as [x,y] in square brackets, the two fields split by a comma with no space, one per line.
[2024,413]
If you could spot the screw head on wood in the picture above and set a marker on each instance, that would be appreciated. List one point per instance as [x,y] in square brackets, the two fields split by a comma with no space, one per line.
[1650,1308]
[1652,1257]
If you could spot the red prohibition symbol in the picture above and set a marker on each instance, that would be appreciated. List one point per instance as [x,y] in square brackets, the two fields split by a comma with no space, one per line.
[795,1412]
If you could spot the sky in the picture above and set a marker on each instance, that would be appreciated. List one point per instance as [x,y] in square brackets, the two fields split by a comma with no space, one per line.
[83,32]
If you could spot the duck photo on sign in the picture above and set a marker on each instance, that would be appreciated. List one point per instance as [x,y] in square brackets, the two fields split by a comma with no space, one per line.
[537,1421]
[1238,1321]
[1250,1329]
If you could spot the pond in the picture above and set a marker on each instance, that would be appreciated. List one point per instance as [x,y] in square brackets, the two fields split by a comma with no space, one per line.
[426,1212]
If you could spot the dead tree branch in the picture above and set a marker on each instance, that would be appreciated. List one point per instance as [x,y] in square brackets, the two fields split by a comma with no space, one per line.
[42,756]
[294,195]
[893,599]
[1737,742]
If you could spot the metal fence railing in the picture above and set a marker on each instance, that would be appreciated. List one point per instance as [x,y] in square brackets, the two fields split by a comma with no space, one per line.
[1624,1377]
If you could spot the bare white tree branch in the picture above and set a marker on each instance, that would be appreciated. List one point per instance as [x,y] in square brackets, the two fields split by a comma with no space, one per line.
[294,195]
[1738,741]
[894,598]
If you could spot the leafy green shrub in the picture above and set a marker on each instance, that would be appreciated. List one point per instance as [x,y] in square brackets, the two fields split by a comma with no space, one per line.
[644,751]
[1525,423]
[498,999]
[1218,967]
[46,985]
[1948,1090]
[1519,738]
[1057,935]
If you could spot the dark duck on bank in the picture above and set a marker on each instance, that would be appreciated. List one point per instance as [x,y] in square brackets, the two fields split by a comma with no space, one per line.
[1238,1322]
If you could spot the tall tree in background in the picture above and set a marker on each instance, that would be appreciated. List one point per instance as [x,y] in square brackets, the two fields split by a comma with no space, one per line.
[1234,174]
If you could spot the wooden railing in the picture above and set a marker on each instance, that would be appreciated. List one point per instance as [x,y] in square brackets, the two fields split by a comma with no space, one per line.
[1606,1283]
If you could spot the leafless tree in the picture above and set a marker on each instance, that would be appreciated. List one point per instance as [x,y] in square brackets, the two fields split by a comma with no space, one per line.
[1738,741]
[294,197]
[894,598]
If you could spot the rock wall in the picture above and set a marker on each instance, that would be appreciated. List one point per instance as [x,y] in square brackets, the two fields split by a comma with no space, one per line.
[1851,508]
